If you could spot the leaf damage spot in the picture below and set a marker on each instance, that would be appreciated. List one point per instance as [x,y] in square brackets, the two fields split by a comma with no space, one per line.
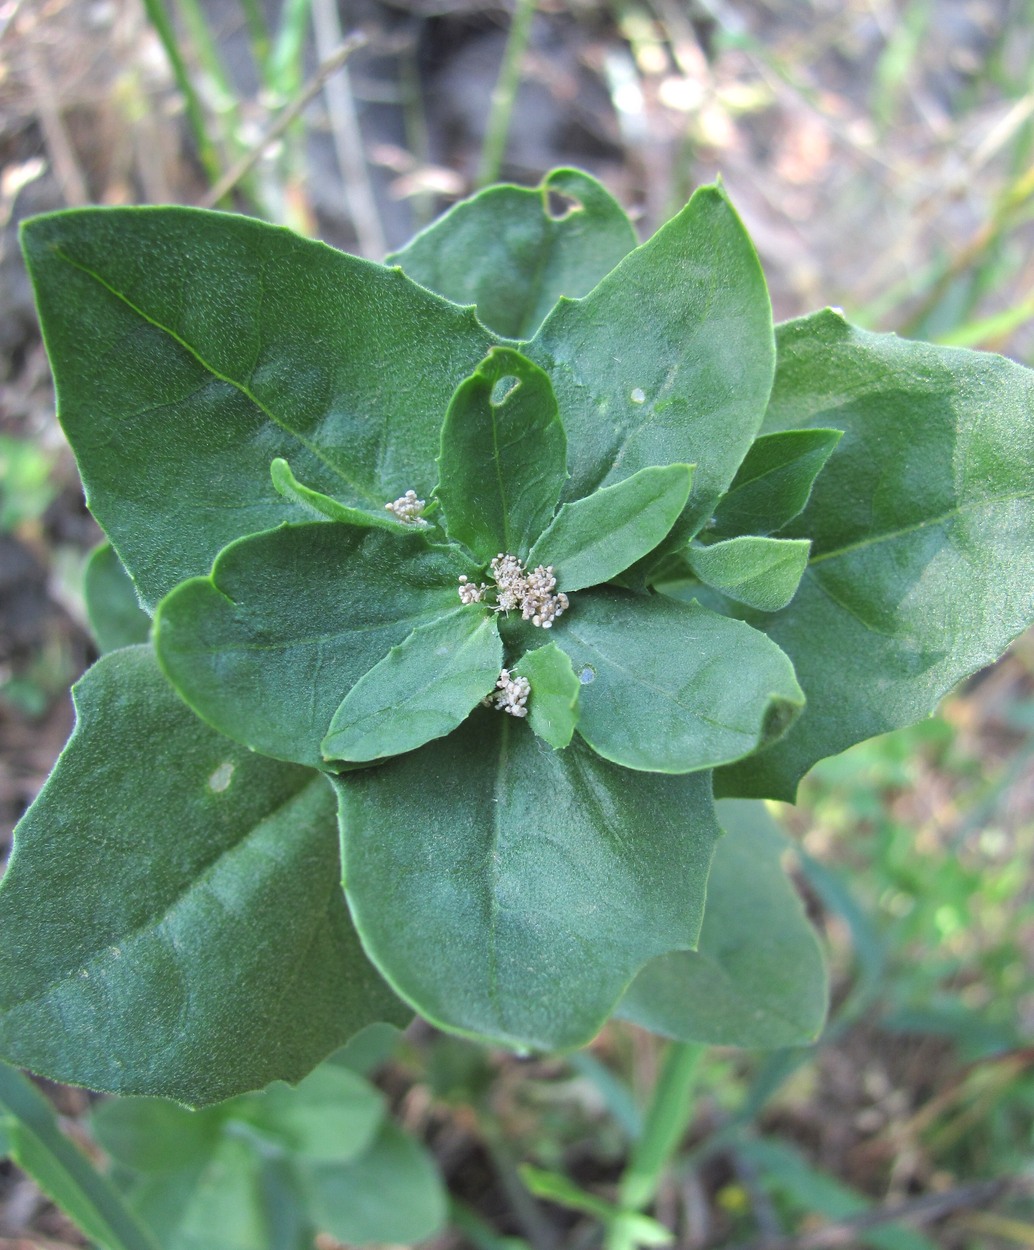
[588,675]
[503,389]
[638,396]
[221,778]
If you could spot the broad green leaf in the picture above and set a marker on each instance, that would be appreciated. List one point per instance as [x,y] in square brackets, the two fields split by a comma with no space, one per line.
[233,1198]
[773,483]
[674,687]
[763,573]
[553,704]
[596,538]
[112,607]
[422,689]
[390,1193]
[171,913]
[61,1170]
[267,647]
[219,1201]
[669,360]
[155,1135]
[922,528]
[330,1117]
[757,978]
[527,905]
[503,457]
[190,349]
[290,1226]
[315,501]
[507,251]
[368,1049]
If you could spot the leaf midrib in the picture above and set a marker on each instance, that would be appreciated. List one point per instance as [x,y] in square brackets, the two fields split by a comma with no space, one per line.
[309,446]
[319,639]
[500,477]
[154,919]
[873,540]
[638,679]
[499,805]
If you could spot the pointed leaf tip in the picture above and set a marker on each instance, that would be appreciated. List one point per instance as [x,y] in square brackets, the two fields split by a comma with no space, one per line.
[594,539]
[762,573]
[422,689]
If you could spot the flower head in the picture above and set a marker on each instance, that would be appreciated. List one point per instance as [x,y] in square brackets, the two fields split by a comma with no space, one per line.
[511,694]
[534,594]
[408,508]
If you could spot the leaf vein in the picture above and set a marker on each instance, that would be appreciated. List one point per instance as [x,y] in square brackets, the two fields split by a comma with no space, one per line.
[873,540]
[248,394]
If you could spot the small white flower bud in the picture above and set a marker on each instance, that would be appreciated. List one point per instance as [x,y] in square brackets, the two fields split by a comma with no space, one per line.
[407,508]
[532,592]
[511,694]
[469,592]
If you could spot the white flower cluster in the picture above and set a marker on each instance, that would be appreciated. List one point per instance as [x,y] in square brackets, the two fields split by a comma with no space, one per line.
[508,574]
[511,694]
[469,592]
[541,605]
[408,508]
[534,593]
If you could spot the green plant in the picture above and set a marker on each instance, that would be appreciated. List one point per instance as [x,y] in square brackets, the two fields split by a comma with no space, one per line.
[25,486]
[260,1171]
[274,1168]
[497,563]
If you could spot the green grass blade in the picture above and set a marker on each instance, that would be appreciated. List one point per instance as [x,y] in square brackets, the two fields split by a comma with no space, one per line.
[505,93]
[258,32]
[62,1171]
[207,153]
[284,73]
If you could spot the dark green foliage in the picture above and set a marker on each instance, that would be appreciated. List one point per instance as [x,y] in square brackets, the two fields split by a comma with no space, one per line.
[358,514]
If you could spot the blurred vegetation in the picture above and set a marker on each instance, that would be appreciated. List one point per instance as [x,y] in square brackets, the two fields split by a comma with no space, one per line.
[882,155]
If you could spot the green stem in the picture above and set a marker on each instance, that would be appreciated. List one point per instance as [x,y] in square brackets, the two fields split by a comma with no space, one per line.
[222,93]
[505,93]
[206,150]
[258,34]
[225,109]
[667,1119]
[285,64]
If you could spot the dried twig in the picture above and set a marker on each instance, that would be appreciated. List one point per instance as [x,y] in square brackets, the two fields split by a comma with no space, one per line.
[288,114]
[844,1233]
[59,146]
[348,139]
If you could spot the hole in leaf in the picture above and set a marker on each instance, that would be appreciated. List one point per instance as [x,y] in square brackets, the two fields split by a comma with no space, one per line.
[587,675]
[559,205]
[503,389]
